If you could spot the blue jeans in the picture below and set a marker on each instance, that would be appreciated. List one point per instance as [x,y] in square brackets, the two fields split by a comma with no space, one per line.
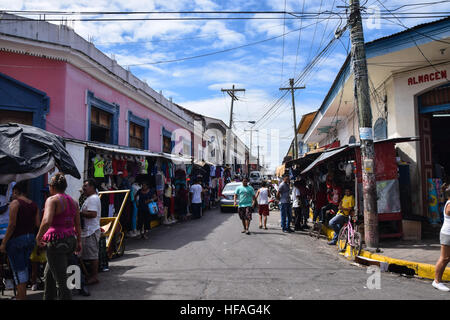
[337,223]
[286,215]
[19,250]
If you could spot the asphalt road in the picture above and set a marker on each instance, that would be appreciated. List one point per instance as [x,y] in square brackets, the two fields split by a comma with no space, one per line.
[210,258]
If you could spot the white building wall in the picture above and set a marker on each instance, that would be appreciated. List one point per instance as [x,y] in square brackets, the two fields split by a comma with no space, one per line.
[77,152]
[405,119]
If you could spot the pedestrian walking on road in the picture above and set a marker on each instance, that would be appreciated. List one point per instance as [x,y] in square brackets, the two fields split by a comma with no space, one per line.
[297,205]
[144,196]
[19,239]
[60,231]
[284,195]
[263,204]
[246,195]
[445,246]
[196,192]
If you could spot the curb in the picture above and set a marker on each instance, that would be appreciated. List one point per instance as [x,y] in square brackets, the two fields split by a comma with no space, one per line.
[422,270]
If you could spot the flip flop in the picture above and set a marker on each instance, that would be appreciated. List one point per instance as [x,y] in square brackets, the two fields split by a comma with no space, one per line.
[244,231]
[260,227]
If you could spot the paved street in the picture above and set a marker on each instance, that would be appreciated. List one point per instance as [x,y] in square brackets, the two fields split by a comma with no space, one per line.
[211,259]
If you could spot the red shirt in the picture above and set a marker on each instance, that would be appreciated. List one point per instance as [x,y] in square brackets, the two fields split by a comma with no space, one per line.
[321,199]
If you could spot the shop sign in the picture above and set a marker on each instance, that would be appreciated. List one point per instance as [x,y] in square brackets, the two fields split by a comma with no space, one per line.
[438,75]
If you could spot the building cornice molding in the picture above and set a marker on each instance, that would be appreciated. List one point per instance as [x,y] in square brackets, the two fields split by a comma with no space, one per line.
[81,61]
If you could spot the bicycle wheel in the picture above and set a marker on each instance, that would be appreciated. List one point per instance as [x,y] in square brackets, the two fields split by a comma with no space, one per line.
[342,239]
[356,245]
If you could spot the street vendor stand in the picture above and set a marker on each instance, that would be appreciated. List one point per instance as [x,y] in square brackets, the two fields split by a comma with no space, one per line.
[112,229]
[27,153]
[336,162]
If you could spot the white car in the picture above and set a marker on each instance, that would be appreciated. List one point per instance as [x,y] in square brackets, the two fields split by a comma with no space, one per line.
[255,178]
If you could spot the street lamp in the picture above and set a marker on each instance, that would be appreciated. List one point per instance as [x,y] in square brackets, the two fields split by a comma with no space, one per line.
[252,122]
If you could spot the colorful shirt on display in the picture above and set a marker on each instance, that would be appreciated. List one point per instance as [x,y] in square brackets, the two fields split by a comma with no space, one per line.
[108,169]
[98,166]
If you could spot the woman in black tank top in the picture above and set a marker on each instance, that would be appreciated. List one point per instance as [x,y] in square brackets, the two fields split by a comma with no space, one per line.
[19,239]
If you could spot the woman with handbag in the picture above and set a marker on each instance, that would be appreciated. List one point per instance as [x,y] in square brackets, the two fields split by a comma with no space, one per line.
[145,195]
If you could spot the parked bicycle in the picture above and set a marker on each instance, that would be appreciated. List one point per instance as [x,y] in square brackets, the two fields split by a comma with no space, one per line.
[350,236]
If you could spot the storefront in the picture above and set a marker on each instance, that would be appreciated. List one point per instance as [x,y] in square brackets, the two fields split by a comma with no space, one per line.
[409,97]
[343,166]
[120,168]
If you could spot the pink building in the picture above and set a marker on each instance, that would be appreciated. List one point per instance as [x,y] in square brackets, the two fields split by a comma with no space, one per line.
[54,79]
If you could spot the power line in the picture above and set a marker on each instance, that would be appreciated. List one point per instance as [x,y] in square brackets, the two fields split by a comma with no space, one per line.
[305,73]
[282,50]
[186,58]
[416,15]
[415,43]
[314,35]
[80,13]
[176,39]
[418,4]
[298,41]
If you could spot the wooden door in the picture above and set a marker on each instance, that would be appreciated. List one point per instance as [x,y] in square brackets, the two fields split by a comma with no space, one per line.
[426,157]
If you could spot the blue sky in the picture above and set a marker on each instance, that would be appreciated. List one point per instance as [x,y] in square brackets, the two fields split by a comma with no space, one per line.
[260,69]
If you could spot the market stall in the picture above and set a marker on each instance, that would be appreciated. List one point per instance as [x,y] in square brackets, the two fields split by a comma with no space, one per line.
[343,164]
[117,168]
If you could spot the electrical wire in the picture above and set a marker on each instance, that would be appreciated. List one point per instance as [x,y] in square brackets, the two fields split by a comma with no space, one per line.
[418,4]
[314,35]
[298,41]
[412,38]
[181,59]
[282,50]
[306,72]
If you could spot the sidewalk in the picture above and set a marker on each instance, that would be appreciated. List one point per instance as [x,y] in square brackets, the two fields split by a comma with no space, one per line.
[410,257]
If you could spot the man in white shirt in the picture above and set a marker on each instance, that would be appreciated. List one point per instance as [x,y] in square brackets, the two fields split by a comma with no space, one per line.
[90,234]
[296,204]
[195,192]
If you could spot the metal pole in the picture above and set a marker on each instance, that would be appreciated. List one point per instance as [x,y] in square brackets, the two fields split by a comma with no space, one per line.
[292,89]
[231,112]
[291,82]
[362,99]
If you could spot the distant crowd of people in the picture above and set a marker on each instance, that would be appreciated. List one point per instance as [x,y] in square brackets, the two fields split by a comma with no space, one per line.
[329,205]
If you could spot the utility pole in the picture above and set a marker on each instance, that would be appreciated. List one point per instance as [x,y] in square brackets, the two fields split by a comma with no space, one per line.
[233,97]
[292,89]
[251,135]
[362,99]
[258,156]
